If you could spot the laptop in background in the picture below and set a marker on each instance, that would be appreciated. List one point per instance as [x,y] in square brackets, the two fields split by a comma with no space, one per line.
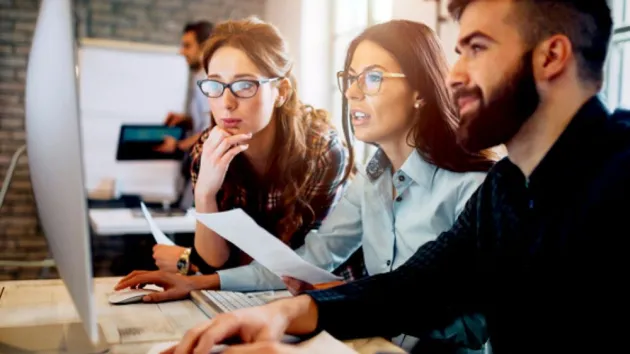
[138,142]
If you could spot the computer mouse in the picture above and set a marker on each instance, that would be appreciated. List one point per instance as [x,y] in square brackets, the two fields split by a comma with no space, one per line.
[129,296]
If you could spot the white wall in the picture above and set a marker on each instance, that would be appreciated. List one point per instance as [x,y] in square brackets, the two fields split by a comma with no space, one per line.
[427,13]
[315,49]
[307,27]
[305,24]
[286,16]
[118,85]
[414,10]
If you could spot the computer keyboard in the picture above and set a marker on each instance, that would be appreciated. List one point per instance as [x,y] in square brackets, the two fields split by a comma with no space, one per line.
[228,301]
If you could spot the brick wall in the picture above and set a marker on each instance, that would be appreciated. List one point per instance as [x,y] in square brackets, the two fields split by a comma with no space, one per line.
[154,21]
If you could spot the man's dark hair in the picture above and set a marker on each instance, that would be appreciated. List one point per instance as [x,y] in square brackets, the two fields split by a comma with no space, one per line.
[201,29]
[587,24]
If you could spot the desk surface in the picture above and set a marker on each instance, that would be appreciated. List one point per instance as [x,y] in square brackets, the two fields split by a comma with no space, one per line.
[108,222]
[42,302]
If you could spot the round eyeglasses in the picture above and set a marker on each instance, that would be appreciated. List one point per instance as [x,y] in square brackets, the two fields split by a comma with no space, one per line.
[239,88]
[369,81]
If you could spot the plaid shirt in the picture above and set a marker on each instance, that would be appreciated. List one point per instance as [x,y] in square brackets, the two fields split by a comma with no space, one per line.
[323,191]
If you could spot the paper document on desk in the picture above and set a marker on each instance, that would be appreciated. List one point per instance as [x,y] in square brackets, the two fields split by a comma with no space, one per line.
[159,236]
[240,229]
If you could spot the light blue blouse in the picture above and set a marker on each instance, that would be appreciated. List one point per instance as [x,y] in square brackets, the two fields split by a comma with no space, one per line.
[428,200]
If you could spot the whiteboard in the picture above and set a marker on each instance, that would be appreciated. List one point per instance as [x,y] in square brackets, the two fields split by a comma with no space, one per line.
[142,81]
[128,83]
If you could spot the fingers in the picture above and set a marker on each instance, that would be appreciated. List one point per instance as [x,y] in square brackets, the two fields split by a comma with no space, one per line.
[229,156]
[170,350]
[126,279]
[292,285]
[218,331]
[169,119]
[331,284]
[218,136]
[229,143]
[296,286]
[146,277]
[188,343]
[265,347]
[162,148]
[214,138]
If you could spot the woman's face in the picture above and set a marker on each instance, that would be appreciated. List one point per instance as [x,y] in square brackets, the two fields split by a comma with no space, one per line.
[381,108]
[250,113]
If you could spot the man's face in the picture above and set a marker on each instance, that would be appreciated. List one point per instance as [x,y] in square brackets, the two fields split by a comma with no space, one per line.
[493,81]
[190,50]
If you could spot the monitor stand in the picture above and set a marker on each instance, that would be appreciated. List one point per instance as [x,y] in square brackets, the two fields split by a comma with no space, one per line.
[53,338]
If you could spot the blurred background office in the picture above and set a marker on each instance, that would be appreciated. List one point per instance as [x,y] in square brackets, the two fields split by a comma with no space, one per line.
[318,32]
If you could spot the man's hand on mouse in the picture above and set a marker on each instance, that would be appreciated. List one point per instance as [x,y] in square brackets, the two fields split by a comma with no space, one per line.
[175,286]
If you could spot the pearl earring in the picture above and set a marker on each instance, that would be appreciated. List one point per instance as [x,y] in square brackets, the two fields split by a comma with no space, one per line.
[416,105]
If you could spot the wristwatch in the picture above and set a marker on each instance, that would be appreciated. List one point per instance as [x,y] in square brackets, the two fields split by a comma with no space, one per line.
[183,264]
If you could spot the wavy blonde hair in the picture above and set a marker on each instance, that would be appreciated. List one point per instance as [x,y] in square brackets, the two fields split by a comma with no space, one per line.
[291,167]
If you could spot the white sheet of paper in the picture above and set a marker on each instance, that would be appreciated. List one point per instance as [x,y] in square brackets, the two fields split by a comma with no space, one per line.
[240,229]
[159,236]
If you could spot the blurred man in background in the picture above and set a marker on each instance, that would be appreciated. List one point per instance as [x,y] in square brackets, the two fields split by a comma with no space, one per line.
[197,117]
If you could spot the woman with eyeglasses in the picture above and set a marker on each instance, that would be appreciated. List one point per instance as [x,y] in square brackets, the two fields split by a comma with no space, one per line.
[272,156]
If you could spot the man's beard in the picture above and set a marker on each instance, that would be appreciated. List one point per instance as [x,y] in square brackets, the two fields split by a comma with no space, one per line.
[496,121]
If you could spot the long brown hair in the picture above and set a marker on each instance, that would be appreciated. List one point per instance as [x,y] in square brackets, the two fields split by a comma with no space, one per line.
[419,53]
[291,168]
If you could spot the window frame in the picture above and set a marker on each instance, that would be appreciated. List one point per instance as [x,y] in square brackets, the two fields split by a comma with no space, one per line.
[617,51]
[362,151]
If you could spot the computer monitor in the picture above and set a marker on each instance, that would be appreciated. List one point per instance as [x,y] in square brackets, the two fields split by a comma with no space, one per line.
[55,161]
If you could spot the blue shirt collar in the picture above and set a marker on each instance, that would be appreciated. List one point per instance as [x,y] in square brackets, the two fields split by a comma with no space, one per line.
[419,170]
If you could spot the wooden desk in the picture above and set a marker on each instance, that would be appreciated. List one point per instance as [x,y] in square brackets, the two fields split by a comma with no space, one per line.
[129,329]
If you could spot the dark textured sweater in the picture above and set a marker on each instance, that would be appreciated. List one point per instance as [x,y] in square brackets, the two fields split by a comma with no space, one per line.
[544,258]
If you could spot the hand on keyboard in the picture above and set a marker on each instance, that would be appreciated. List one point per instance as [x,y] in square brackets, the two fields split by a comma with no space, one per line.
[256,324]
